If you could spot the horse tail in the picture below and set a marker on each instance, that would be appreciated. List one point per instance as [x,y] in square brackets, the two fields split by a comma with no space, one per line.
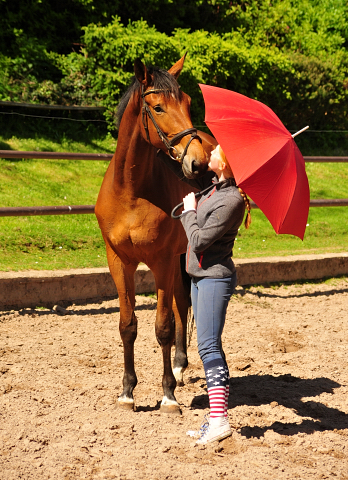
[186,279]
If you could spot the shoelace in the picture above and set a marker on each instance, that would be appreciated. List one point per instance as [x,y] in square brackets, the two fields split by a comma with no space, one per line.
[204,427]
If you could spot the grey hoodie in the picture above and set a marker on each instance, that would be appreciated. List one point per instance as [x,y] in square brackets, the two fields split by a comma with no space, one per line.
[211,231]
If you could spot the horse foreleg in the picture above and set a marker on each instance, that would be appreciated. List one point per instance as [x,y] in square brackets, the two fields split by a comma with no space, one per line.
[123,276]
[181,306]
[165,329]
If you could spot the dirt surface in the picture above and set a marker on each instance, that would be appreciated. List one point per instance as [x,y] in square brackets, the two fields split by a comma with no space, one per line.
[287,349]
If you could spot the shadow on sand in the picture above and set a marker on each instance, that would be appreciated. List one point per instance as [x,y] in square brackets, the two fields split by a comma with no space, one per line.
[286,390]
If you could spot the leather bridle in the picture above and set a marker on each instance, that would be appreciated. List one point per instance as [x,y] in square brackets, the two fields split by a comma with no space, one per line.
[169,143]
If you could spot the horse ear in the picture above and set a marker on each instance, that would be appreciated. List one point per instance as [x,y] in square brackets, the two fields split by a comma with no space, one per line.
[175,70]
[141,72]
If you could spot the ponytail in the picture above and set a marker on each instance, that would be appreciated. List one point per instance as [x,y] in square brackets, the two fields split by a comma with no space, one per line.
[247,221]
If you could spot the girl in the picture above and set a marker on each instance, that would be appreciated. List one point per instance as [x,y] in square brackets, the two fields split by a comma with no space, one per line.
[211,226]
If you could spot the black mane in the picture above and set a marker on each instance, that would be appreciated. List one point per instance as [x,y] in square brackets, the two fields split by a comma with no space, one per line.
[161,80]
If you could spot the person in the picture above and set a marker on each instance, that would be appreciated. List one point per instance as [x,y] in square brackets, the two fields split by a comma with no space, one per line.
[211,225]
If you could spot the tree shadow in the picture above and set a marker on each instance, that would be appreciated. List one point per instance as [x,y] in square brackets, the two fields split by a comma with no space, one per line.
[261,294]
[286,390]
[4,146]
[110,310]
[80,312]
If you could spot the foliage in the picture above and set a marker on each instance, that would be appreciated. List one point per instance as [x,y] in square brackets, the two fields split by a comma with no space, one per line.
[301,89]
[56,26]
[48,78]
[290,55]
[298,25]
[310,27]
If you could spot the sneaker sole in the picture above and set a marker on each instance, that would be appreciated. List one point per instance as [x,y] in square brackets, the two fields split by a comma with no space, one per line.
[217,438]
[192,433]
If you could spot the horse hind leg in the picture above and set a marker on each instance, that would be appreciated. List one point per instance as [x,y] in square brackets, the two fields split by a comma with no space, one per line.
[123,276]
[181,308]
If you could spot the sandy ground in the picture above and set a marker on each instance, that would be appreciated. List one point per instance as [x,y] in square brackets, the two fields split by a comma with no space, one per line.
[287,349]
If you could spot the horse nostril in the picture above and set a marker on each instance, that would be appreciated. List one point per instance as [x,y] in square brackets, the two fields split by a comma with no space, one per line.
[194,167]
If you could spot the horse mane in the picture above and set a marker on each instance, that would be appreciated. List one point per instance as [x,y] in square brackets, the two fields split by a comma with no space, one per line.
[162,80]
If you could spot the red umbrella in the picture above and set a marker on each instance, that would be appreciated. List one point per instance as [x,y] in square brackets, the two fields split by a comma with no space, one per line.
[266,162]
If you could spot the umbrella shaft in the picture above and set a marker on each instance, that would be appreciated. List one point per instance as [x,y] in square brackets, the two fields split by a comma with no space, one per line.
[300,131]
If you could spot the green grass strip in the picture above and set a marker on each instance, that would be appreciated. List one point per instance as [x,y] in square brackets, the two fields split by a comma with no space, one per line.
[75,241]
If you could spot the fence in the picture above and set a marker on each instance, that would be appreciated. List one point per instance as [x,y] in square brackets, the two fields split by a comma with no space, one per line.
[88,209]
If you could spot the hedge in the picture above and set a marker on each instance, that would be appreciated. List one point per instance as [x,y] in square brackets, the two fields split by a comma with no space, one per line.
[301,89]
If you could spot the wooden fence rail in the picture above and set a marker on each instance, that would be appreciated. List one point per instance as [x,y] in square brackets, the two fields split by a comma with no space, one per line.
[88,209]
[55,155]
[79,209]
[108,156]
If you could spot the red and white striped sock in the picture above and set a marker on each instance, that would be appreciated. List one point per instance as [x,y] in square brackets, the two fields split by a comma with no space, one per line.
[217,376]
[216,401]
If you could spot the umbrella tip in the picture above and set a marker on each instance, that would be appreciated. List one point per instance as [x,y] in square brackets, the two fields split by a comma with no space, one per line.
[300,131]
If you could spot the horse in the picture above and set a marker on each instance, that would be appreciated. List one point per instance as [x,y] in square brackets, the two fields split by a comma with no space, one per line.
[133,210]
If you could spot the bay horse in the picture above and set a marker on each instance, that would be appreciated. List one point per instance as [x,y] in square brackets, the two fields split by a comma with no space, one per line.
[133,211]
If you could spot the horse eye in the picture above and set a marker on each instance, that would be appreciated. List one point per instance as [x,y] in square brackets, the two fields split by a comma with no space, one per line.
[158,109]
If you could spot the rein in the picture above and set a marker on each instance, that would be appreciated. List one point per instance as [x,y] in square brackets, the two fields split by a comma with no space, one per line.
[198,194]
[146,113]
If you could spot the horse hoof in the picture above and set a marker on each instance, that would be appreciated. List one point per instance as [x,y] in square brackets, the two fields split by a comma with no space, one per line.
[172,409]
[126,403]
[170,406]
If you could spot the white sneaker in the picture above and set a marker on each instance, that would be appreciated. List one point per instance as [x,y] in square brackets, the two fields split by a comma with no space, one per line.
[201,431]
[218,429]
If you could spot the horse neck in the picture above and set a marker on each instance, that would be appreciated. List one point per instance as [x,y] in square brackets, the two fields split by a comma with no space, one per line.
[134,160]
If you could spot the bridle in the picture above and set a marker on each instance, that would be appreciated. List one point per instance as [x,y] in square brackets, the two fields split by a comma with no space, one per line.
[172,151]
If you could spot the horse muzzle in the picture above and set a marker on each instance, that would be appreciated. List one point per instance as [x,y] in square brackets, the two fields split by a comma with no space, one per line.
[192,168]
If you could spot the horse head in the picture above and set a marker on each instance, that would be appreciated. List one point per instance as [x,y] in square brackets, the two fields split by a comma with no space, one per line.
[166,119]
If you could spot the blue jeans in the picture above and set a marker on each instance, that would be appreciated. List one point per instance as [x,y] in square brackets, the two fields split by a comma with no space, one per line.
[210,297]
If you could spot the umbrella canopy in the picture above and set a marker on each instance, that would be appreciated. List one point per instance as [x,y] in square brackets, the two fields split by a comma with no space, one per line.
[266,162]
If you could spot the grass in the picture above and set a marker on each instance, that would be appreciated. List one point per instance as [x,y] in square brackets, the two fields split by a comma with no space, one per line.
[327,232]
[75,241]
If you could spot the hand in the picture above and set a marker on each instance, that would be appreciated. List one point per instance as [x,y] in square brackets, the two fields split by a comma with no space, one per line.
[190,201]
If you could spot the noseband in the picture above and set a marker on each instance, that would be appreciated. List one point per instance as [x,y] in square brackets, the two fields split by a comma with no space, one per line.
[172,151]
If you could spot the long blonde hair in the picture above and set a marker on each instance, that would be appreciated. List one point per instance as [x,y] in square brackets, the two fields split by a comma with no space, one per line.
[229,171]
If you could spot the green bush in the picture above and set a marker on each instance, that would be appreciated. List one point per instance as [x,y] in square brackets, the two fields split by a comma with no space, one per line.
[305,26]
[302,88]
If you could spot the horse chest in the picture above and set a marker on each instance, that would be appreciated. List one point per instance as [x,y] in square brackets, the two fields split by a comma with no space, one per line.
[139,227]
